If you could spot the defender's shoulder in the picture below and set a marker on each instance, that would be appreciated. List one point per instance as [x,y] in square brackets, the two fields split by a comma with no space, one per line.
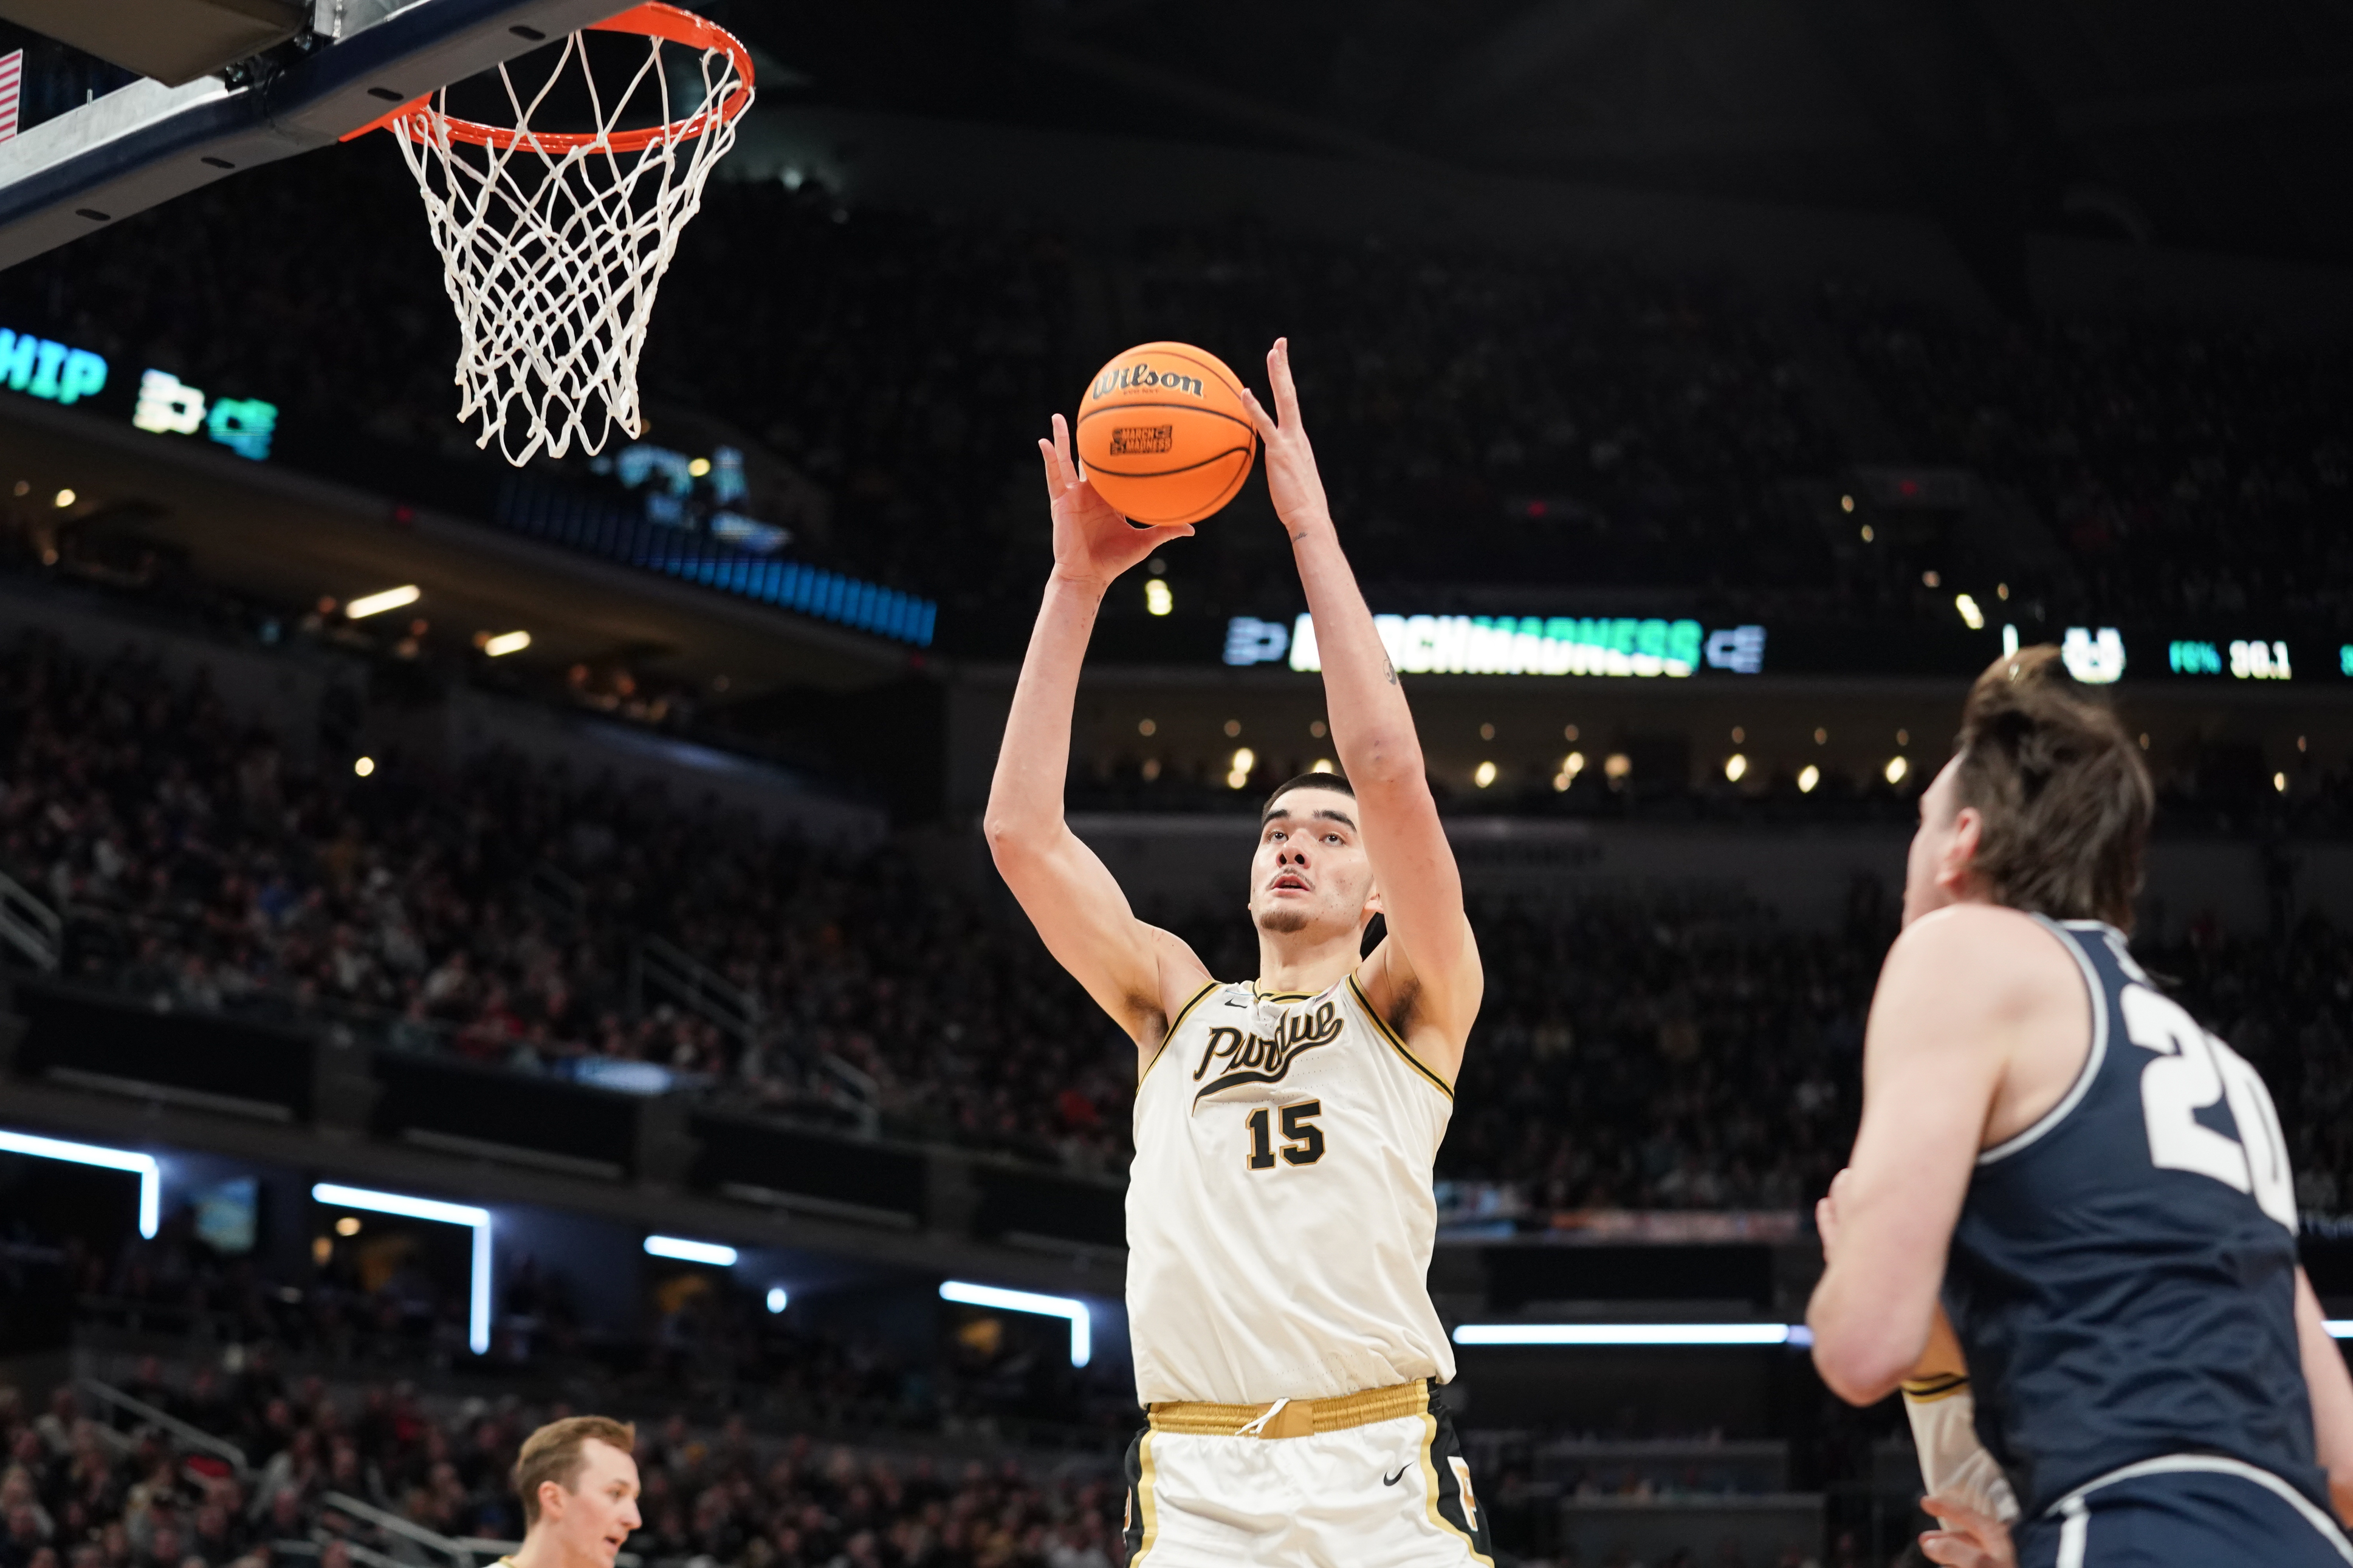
[1983,958]
[1978,931]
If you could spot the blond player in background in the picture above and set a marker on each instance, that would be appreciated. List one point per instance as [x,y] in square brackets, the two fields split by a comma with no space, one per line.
[577,1480]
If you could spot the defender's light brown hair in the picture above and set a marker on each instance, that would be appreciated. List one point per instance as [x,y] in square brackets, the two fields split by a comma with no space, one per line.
[2062,789]
[552,1454]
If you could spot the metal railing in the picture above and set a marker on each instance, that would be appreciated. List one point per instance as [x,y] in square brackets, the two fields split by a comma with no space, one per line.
[366,1556]
[657,965]
[461,1554]
[550,889]
[28,924]
[866,1094]
[462,1551]
[182,1432]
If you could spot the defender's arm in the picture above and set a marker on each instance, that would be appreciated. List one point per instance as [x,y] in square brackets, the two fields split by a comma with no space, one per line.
[2331,1389]
[1932,1065]
[1127,966]
[1428,967]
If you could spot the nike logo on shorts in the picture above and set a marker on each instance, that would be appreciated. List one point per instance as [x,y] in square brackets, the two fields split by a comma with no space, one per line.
[1391,1480]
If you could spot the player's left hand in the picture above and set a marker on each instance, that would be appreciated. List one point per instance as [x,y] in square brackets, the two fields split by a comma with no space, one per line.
[1291,476]
[1969,1539]
[1826,1215]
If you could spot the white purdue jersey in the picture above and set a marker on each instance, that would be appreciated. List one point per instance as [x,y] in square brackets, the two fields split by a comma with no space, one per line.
[1279,1216]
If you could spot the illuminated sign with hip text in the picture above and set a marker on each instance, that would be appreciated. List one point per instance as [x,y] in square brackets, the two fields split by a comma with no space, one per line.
[52,370]
[1639,647]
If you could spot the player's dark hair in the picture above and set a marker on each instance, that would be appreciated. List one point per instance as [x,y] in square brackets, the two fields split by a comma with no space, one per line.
[2064,796]
[1305,781]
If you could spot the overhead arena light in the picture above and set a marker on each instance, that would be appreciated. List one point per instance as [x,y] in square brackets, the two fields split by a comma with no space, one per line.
[709,1252]
[150,1174]
[477,1316]
[1633,1334]
[504,643]
[2340,1328]
[1082,1325]
[368,604]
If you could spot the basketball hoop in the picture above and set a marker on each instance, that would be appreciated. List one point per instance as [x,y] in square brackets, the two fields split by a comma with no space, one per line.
[553,242]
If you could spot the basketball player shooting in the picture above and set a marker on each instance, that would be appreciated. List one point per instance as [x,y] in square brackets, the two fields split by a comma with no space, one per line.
[2096,1186]
[1280,1216]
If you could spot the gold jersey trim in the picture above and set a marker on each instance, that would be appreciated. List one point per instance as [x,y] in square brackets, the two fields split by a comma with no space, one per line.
[1928,1389]
[1147,1503]
[1397,1042]
[1182,1014]
[1431,1493]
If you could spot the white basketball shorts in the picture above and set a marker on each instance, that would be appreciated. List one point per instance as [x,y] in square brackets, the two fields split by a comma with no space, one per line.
[1370,1480]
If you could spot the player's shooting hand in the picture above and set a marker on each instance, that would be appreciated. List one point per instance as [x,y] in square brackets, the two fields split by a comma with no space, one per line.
[1969,1539]
[1291,476]
[1826,1215]
[1093,543]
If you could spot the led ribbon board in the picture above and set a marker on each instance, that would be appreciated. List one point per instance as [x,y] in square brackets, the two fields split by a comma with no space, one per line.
[1640,647]
[2099,655]
[61,374]
[170,407]
[2242,658]
[54,372]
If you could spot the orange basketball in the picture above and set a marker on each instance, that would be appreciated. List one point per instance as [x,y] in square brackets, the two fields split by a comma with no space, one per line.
[1164,434]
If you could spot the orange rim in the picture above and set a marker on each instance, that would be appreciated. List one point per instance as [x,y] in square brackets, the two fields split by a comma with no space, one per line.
[415,119]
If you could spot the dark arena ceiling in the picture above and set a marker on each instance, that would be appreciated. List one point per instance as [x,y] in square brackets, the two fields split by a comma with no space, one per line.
[2207,128]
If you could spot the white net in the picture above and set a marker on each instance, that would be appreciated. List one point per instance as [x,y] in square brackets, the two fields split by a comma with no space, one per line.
[553,243]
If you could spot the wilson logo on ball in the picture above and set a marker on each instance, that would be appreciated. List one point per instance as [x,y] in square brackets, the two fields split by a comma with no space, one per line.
[1125,377]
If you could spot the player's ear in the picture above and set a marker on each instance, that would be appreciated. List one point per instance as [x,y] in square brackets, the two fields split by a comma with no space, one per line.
[1957,865]
[1372,905]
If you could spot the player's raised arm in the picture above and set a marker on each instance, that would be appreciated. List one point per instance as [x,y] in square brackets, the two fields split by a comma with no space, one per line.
[1127,967]
[1425,977]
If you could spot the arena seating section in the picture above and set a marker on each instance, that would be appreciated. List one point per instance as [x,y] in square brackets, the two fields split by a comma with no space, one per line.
[1650,1056]
[75,1494]
[1536,419]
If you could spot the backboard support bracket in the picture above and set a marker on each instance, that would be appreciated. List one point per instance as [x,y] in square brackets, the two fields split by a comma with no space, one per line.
[147,143]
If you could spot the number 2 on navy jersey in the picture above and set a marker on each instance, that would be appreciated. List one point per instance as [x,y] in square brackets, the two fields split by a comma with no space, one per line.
[2192,1071]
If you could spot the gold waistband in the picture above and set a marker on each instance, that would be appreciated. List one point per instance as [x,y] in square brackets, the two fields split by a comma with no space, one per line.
[1297,1418]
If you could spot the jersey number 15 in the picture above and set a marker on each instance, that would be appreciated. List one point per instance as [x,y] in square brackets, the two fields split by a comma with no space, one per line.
[1303,1140]
[2193,1071]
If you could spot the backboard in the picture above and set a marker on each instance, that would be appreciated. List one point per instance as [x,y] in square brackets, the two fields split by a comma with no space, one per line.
[241,85]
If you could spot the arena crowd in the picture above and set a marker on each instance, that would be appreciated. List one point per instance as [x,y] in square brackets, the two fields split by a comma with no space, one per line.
[1643,1056]
[76,1493]
[1543,420]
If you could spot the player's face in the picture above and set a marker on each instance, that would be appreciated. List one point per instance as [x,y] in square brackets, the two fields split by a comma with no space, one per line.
[1310,872]
[595,1516]
[1934,870]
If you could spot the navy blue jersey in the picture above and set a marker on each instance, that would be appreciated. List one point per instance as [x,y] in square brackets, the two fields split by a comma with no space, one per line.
[2122,1277]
